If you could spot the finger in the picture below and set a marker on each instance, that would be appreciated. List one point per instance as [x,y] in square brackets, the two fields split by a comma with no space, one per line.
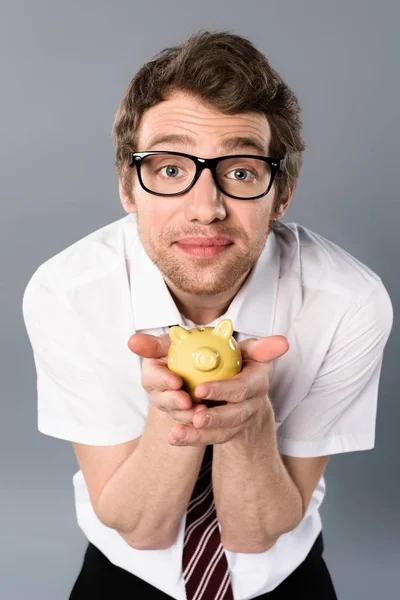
[187,435]
[174,401]
[199,408]
[265,349]
[149,346]
[253,380]
[181,415]
[225,417]
[157,376]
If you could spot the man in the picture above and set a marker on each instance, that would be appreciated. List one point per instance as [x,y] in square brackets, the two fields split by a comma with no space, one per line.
[208,145]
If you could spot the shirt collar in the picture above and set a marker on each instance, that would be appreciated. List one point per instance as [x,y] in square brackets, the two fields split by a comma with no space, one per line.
[252,310]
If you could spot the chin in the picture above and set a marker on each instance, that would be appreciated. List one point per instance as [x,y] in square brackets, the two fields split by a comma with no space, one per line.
[199,290]
[206,277]
[200,283]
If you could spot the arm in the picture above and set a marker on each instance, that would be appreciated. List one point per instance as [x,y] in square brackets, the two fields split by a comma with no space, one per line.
[143,487]
[258,494]
[140,487]
[338,415]
[275,490]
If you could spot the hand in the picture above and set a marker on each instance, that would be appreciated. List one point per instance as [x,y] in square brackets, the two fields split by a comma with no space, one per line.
[246,395]
[162,385]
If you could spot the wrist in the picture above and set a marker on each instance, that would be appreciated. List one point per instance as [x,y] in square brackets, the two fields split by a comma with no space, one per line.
[261,426]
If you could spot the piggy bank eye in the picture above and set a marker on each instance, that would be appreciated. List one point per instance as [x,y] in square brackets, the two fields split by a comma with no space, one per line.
[205,359]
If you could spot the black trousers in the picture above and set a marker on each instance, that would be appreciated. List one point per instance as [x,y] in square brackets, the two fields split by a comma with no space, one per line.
[100,579]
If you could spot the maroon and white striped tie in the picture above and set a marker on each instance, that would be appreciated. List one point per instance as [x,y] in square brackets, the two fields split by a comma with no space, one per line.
[204,564]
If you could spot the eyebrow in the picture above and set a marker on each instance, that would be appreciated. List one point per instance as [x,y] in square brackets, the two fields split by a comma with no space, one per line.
[228,145]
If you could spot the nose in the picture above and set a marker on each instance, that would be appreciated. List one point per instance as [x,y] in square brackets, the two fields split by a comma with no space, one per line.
[205,359]
[204,202]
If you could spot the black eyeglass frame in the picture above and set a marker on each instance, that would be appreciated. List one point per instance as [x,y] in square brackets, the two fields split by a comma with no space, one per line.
[135,159]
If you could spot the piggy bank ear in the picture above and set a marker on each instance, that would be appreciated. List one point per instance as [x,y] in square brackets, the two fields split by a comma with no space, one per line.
[224,329]
[178,334]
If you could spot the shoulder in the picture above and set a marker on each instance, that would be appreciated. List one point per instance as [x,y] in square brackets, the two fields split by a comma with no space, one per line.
[321,265]
[90,258]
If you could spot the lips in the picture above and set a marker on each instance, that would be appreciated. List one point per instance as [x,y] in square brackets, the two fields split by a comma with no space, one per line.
[204,247]
[202,241]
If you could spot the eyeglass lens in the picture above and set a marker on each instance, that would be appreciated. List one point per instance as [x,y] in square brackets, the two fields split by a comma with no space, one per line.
[170,174]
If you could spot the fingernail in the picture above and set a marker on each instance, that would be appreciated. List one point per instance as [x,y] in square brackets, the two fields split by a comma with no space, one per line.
[205,421]
[201,392]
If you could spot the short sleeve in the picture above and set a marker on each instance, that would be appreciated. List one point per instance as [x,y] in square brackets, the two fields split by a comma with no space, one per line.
[73,402]
[339,412]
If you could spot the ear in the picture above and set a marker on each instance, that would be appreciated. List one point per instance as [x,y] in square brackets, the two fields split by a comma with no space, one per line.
[178,334]
[127,201]
[276,215]
[224,329]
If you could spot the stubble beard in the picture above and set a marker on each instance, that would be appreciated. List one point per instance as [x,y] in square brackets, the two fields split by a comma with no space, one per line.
[204,276]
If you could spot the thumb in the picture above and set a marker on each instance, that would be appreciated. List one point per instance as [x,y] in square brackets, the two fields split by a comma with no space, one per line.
[149,346]
[265,349]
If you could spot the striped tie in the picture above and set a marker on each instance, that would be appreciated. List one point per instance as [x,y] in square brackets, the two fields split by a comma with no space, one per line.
[204,564]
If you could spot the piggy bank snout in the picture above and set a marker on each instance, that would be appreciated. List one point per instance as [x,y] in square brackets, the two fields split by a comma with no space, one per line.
[205,359]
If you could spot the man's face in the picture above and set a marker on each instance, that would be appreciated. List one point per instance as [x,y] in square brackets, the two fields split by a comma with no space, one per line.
[204,211]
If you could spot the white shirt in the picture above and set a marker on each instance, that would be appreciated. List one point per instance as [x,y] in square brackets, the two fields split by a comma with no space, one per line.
[82,305]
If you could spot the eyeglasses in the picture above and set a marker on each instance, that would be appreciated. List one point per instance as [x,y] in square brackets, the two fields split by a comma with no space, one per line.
[240,176]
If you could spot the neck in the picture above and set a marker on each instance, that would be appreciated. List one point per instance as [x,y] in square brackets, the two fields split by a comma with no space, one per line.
[203,309]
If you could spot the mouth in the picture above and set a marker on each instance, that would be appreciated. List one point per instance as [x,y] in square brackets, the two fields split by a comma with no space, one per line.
[204,247]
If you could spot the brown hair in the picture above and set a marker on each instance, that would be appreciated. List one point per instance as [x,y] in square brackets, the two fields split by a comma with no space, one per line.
[229,73]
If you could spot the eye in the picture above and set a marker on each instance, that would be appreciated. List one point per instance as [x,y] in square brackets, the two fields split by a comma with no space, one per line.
[170,171]
[240,174]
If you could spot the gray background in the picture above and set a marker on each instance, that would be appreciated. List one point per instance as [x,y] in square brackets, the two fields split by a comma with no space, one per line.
[64,68]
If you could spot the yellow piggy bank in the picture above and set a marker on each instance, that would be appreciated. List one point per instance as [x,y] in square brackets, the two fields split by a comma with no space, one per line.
[203,354]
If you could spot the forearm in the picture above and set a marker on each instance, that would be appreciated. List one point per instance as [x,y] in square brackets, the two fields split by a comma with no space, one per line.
[145,498]
[256,500]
